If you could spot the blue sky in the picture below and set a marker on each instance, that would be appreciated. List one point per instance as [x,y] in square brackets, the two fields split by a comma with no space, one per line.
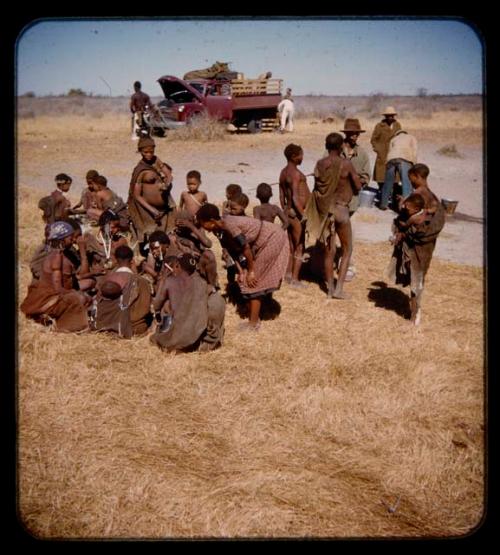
[333,57]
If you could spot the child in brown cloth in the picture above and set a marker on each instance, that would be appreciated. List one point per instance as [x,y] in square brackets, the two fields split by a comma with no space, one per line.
[415,235]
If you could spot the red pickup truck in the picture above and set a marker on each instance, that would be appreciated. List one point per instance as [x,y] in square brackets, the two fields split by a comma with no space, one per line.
[242,102]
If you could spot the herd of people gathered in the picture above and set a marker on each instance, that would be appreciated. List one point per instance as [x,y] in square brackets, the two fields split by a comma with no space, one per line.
[147,265]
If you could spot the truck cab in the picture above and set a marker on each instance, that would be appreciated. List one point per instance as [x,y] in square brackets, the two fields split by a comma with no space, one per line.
[186,99]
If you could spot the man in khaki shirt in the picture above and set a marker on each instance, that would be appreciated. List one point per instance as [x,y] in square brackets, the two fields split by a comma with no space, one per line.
[401,156]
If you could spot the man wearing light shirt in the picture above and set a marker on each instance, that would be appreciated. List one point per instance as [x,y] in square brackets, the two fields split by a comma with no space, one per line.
[401,156]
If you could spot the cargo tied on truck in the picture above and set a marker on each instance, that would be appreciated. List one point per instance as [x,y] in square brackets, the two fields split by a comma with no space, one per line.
[250,104]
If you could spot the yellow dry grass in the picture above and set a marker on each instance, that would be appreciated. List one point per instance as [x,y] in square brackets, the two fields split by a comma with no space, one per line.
[337,419]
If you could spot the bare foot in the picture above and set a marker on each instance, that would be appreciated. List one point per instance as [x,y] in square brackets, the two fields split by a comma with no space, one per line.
[248,326]
[415,317]
[297,284]
[339,294]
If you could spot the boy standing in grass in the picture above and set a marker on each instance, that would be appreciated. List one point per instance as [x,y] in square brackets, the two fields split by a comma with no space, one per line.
[193,198]
[294,195]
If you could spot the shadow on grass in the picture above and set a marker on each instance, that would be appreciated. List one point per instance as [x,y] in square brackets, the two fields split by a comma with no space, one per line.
[390,298]
[269,310]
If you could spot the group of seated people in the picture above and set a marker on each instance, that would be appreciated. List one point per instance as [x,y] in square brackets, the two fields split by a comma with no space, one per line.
[90,275]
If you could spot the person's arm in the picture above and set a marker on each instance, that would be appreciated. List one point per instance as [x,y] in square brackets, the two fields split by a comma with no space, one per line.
[56,273]
[281,188]
[148,266]
[250,273]
[84,261]
[364,173]
[198,233]
[161,296]
[181,201]
[255,212]
[204,198]
[354,177]
[282,216]
[375,138]
[295,194]
[137,194]
[414,148]
[433,205]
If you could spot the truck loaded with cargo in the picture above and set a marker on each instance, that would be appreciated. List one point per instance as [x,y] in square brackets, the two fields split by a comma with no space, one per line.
[227,96]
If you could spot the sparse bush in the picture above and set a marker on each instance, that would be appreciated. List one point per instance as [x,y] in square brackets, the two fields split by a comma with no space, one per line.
[450,150]
[76,92]
[374,103]
[29,94]
[422,92]
[201,128]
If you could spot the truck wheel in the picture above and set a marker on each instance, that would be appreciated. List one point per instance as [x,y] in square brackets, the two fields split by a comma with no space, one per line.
[255,126]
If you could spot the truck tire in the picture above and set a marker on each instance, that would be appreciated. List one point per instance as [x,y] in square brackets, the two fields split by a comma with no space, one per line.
[254,126]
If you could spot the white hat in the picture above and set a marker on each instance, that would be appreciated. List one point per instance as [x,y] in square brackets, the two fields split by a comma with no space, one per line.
[389,111]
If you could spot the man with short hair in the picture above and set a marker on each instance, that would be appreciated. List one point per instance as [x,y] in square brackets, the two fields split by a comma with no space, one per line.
[139,103]
[327,212]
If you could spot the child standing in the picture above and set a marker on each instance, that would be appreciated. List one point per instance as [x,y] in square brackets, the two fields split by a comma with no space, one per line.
[414,240]
[237,204]
[231,190]
[268,212]
[193,198]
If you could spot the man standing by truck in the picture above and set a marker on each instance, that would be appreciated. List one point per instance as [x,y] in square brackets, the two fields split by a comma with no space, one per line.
[286,109]
[139,102]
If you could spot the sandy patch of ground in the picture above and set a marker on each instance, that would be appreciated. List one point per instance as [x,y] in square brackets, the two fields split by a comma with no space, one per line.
[73,144]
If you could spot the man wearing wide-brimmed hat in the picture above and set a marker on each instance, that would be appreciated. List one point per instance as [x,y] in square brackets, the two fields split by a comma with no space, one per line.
[361,162]
[382,134]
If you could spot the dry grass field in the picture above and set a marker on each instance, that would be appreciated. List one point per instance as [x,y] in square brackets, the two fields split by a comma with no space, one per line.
[337,419]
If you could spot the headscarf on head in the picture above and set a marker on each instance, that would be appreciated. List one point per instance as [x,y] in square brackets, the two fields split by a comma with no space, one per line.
[60,230]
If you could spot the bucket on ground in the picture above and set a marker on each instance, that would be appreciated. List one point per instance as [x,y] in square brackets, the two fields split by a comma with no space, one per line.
[366,198]
[449,205]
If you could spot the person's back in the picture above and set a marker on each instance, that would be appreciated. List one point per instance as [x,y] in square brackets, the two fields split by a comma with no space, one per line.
[345,185]
[403,146]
